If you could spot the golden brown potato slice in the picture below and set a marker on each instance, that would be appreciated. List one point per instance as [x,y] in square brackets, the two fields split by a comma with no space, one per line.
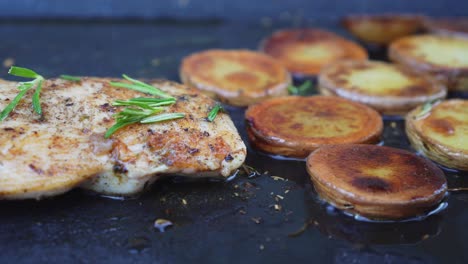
[382,29]
[376,182]
[443,57]
[447,26]
[441,132]
[295,126]
[305,51]
[237,77]
[388,88]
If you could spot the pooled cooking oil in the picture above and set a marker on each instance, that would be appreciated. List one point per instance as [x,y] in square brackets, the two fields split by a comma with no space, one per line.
[436,210]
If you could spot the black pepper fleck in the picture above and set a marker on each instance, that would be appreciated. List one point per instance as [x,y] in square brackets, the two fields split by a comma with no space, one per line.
[228,157]
[119,168]
[193,150]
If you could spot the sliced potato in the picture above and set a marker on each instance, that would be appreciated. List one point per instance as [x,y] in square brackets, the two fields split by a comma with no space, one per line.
[382,29]
[305,51]
[295,126]
[388,88]
[443,57]
[447,26]
[441,132]
[237,77]
[376,182]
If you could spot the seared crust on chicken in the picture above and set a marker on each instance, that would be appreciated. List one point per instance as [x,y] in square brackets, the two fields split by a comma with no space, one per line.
[388,88]
[48,155]
[376,182]
[442,133]
[305,51]
[236,77]
[295,126]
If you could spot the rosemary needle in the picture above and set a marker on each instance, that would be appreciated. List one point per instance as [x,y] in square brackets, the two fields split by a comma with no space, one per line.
[162,117]
[140,86]
[214,112]
[70,78]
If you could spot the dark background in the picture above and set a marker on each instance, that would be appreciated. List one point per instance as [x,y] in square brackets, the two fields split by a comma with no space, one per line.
[224,9]
[219,222]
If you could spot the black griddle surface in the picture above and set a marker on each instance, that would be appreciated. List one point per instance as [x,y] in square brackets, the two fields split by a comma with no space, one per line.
[215,221]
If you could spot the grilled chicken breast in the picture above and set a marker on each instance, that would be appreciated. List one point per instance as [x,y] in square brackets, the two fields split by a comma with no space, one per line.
[48,155]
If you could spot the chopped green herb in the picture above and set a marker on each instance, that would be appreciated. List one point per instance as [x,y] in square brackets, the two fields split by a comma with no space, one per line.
[140,86]
[142,110]
[36,98]
[302,89]
[24,87]
[23,72]
[147,103]
[162,117]
[426,108]
[70,78]
[214,112]
[120,124]
[130,116]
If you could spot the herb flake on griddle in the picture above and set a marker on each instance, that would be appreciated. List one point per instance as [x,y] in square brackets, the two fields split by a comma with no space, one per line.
[426,109]
[301,90]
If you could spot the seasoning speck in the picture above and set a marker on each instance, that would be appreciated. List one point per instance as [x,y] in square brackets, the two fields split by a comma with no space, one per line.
[278,178]
[257,220]
[162,224]
[155,62]
[8,62]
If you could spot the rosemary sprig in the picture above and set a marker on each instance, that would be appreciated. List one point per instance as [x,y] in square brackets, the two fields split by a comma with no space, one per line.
[162,117]
[70,78]
[140,86]
[24,87]
[302,89]
[143,115]
[142,110]
[214,112]
[143,102]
